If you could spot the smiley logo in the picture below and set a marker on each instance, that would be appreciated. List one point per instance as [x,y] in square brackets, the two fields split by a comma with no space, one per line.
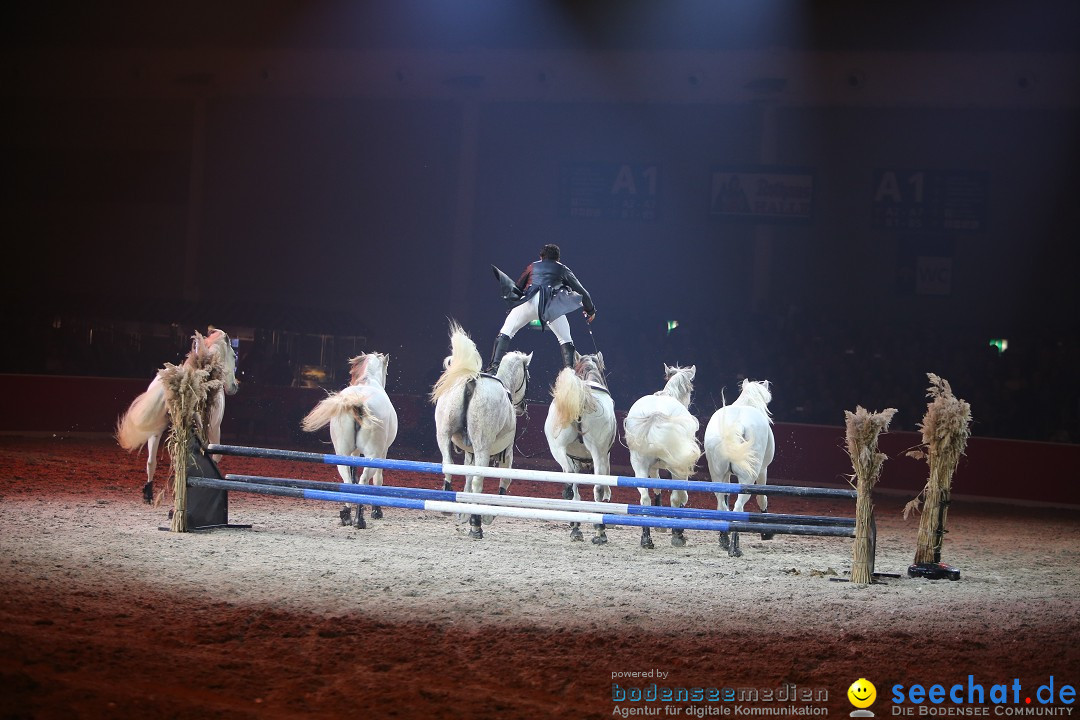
[862,693]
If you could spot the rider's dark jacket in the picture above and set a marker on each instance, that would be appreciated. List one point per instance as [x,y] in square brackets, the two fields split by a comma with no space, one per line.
[559,290]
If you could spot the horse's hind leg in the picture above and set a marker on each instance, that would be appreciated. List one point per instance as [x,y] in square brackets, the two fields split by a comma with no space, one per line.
[641,470]
[475,483]
[575,527]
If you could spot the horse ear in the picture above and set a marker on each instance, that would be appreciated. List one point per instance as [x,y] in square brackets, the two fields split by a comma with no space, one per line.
[692,371]
[668,372]
[528,358]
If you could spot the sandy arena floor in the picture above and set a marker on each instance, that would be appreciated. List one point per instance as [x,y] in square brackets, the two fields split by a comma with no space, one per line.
[104,615]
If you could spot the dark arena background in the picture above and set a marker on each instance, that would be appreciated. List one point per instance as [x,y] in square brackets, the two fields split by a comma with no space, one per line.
[837,197]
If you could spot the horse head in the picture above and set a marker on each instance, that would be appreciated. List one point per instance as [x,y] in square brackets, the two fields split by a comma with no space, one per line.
[514,374]
[756,393]
[590,368]
[219,343]
[369,368]
[680,383]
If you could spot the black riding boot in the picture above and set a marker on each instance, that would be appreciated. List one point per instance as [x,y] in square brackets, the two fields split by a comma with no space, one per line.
[502,344]
[567,354]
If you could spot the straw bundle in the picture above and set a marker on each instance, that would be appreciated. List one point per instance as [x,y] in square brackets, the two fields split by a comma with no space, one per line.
[863,428]
[945,431]
[187,389]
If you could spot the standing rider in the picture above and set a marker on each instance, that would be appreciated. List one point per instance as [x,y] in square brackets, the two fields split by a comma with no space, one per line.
[547,290]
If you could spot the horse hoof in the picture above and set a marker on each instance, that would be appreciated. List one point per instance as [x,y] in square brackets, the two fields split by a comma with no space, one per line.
[734,552]
[346,516]
[575,535]
[360,524]
[148,493]
[647,543]
[568,492]
[488,519]
[447,486]
[767,536]
[476,533]
[376,512]
[599,540]
[725,541]
[678,540]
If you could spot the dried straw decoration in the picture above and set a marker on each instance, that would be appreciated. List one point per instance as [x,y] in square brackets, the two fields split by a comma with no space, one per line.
[945,431]
[187,388]
[863,428]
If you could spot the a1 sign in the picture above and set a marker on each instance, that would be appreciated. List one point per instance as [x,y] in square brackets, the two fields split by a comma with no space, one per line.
[610,191]
[930,200]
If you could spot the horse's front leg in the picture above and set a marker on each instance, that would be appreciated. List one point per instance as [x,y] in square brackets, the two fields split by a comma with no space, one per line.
[217,414]
[677,500]
[152,446]
[351,513]
[375,479]
[365,479]
[503,460]
[763,500]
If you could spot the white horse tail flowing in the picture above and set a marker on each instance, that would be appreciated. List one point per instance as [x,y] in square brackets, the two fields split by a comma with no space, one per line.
[739,451]
[673,439]
[464,363]
[145,418]
[337,404]
[571,398]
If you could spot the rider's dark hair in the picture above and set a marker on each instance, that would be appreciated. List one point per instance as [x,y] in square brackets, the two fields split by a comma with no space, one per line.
[549,252]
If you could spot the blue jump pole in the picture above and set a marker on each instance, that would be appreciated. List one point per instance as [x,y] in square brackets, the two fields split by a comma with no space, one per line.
[551,503]
[554,515]
[537,475]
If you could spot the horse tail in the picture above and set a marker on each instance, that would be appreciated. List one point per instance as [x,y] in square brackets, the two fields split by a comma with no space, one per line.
[739,451]
[337,404]
[144,418]
[671,438]
[464,363]
[570,397]
[463,419]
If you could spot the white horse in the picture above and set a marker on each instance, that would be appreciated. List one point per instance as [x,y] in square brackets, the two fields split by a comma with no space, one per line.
[362,421]
[146,418]
[739,440]
[580,429]
[662,434]
[477,413]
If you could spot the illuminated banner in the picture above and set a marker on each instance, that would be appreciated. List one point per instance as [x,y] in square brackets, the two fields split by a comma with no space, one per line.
[610,191]
[762,193]
[930,200]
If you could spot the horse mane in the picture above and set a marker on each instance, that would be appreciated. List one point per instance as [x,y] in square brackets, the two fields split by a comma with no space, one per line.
[463,363]
[755,394]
